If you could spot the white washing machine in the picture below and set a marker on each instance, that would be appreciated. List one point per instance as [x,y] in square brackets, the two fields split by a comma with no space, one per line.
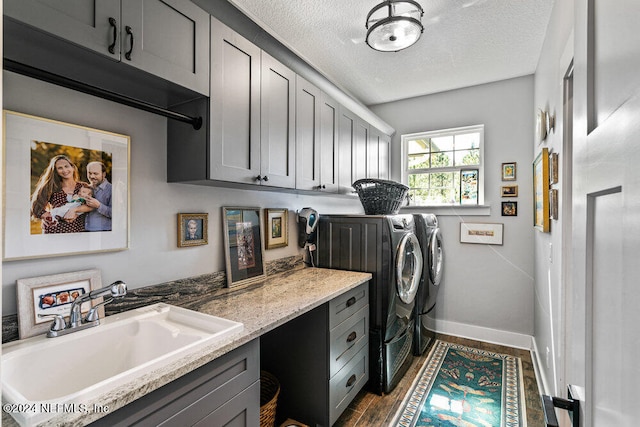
[430,239]
[387,247]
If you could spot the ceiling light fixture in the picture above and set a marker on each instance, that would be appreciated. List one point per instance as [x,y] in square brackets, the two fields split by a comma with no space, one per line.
[394,25]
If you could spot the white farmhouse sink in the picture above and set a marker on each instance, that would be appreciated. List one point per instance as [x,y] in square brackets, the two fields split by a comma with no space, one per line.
[83,364]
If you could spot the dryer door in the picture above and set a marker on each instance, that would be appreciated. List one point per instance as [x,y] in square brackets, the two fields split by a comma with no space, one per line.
[408,268]
[435,257]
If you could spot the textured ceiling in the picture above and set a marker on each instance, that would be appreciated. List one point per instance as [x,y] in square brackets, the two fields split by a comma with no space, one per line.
[465,43]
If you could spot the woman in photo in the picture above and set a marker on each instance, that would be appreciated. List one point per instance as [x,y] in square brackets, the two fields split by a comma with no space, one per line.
[56,186]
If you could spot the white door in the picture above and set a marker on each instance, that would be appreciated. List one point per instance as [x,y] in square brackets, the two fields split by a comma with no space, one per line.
[604,341]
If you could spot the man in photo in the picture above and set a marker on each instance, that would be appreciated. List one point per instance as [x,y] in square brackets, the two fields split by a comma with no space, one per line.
[193,230]
[99,219]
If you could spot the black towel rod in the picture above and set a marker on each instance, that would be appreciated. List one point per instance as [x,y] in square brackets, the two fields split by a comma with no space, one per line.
[59,80]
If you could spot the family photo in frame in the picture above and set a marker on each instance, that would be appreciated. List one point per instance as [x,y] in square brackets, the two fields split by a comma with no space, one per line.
[67,188]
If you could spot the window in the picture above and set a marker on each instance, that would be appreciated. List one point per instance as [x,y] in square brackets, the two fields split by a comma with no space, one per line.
[444,167]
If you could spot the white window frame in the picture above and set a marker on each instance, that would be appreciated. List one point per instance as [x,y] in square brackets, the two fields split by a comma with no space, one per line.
[439,133]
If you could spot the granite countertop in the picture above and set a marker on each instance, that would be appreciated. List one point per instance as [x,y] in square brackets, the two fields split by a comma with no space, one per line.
[261,307]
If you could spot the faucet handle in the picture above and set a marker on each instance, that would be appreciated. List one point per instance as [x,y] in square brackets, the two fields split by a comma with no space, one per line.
[58,323]
[93,315]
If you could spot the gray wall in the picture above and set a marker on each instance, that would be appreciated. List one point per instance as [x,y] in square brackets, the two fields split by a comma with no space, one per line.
[153,256]
[487,290]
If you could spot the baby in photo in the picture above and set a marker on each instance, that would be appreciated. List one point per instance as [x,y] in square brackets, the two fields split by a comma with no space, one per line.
[73,201]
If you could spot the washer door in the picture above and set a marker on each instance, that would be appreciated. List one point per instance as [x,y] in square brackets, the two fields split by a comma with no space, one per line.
[435,257]
[408,268]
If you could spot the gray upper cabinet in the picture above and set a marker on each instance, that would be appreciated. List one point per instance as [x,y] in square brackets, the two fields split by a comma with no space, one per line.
[252,113]
[235,107]
[278,134]
[359,149]
[166,38]
[329,139]
[308,99]
[347,124]
[378,154]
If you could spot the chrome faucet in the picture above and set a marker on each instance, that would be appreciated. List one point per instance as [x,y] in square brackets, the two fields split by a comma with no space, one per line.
[59,327]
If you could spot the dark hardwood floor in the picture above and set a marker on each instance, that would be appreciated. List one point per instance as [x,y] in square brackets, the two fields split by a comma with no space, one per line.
[369,409]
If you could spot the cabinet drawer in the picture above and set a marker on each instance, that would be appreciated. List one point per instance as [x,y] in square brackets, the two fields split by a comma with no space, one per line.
[241,411]
[347,383]
[346,339]
[344,306]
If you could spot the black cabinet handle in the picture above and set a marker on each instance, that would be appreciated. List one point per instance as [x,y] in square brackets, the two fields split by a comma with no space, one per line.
[258,178]
[114,25]
[352,336]
[130,33]
[352,380]
[351,301]
[265,178]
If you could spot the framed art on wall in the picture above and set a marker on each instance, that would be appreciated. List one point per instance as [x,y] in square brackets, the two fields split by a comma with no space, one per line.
[276,228]
[66,188]
[243,243]
[41,298]
[541,191]
[193,229]
[509,191]
[509,208]
[509,171]
[488,234]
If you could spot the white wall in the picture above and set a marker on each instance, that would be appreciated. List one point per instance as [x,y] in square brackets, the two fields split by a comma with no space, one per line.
[550,287]
[487,291]
[153,256]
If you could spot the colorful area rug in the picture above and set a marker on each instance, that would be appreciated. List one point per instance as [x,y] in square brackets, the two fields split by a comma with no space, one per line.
[465,387]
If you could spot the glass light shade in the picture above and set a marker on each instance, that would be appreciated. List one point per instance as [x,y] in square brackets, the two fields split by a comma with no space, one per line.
[394,25]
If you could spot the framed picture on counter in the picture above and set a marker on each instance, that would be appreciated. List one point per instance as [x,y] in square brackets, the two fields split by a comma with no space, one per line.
[243,243]
[66,188]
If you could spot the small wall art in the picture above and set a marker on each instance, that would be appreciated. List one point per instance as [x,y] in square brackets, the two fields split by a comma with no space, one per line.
[276,228]
[553,168]
[193,229]
[41,298]
[243,242]
[509,208]
[509,191]
[553,203]
[509,171]
[487,234]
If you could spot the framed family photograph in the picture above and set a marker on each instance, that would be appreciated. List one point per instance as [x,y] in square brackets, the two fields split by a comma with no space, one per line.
[192,229]
[509,191]
[40,299]
[276,228]
[66,188]
[509,171]
[487,234]
[243,243]
[541,191]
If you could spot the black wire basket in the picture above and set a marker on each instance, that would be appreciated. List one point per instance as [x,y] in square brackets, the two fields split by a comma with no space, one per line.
[380,197]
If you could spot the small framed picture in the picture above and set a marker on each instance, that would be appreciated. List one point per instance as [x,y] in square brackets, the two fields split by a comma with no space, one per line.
[41,298]
[509,208]
[487,234]
[243,242]
[192,229]
[509,171]
[553,203]
[553,168]
[509,191]
[276,228]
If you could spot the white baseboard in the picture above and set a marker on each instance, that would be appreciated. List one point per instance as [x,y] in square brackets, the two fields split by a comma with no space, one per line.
[480,333]
[543,387]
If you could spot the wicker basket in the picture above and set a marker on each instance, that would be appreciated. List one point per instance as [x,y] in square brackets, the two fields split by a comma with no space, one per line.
[380,197]
[269,391]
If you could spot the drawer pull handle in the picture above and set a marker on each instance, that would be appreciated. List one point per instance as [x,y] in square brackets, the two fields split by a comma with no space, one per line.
[114,25]
[129,31]
[352,336]
[351,301]
[352,380]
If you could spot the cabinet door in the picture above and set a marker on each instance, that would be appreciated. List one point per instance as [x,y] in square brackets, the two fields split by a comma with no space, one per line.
[307,135]
[347,129]
[360,142]
[167,38]
[277,143]
[83,22]
[378,154]
[235,106]
[384,147]
[329,125]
